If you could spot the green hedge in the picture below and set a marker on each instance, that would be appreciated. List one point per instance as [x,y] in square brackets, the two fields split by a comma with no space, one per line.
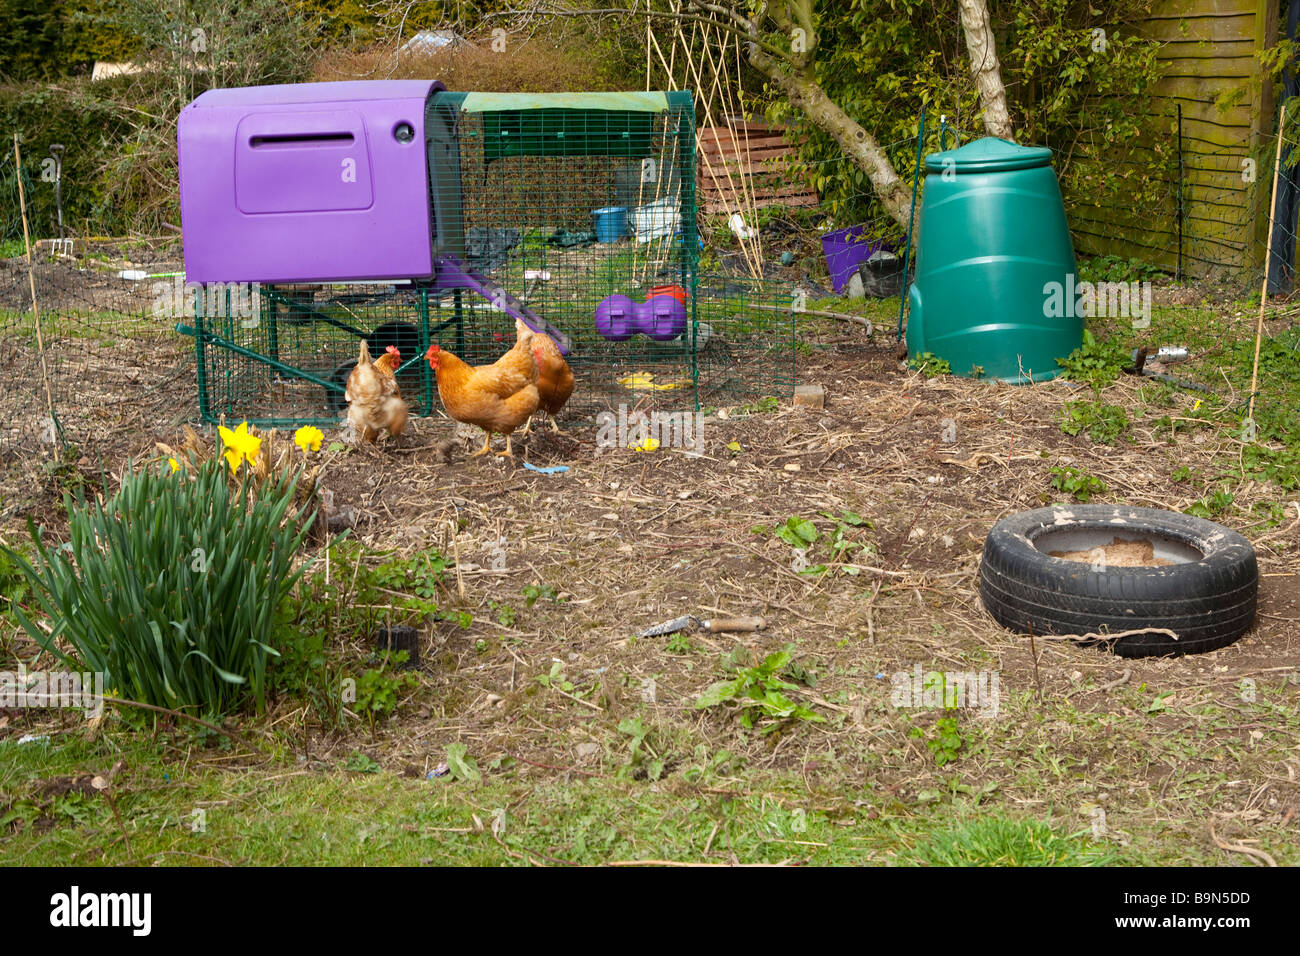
[48,39]
[93,130]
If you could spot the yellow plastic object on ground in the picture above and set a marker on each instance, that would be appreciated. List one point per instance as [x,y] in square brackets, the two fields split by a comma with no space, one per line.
[645,381]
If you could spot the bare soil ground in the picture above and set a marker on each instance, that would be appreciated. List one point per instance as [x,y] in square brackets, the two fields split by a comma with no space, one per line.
[628,539]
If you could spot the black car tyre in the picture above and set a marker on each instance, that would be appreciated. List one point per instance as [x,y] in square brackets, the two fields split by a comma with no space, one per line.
[1205,593]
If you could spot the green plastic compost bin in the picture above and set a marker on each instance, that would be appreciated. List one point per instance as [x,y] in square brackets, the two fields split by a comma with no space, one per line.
[993,241]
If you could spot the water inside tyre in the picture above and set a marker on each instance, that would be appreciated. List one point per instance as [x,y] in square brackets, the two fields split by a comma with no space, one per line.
[1102,546]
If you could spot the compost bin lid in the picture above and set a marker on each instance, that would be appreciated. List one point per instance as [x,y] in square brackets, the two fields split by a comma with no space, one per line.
[988,155]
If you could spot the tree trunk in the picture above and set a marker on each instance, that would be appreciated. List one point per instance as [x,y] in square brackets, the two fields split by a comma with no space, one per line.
[982,49]
[859,145]
[793,74]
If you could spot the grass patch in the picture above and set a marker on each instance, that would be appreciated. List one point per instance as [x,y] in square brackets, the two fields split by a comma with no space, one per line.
[999,841]
[352,813]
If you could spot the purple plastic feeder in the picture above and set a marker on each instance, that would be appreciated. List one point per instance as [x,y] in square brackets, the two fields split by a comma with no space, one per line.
[618,318]
[666,318]
[845,249]
[614,317]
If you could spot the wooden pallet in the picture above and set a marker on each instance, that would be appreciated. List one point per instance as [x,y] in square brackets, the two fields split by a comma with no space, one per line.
[747,160]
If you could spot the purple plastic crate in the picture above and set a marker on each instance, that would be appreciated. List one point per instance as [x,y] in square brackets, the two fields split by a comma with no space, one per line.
[845,250]
[306,182]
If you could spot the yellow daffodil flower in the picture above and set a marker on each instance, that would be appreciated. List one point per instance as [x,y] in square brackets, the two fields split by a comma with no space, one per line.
[240,445]
[649,444]
[175,465]
[308,437]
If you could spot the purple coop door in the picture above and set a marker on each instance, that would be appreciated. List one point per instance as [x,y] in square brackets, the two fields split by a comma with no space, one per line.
[306,183]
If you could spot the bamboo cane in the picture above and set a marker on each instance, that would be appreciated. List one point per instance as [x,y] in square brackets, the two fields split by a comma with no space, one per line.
[747,200]
[663,145]
[749,255]
[31,281]
[1268,255]
[707,161]
[749,161]
[648,37]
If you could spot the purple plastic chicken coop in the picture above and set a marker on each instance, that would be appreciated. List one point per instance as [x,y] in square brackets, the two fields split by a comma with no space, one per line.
[328,182]
[313,182]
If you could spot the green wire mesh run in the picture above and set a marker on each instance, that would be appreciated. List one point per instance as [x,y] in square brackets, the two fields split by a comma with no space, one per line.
[530,183]
[286,364]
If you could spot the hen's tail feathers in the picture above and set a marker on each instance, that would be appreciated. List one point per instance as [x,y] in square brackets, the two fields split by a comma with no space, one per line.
[363,357]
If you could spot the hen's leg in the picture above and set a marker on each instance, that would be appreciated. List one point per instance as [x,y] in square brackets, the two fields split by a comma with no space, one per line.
[555,425]
[528,426]
[507,453]
[487,443]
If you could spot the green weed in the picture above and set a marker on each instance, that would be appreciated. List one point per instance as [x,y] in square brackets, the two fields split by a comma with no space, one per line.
[1103,423]
[759,693]
[929,364]
[1074,481]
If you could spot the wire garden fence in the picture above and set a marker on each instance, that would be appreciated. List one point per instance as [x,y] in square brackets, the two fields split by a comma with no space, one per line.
[109,359]
[566,209]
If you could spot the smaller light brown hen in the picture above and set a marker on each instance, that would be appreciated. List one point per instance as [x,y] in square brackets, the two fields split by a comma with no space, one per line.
[374,399]
[555,381]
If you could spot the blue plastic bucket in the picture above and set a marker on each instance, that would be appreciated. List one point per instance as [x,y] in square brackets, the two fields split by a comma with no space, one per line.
[611,223]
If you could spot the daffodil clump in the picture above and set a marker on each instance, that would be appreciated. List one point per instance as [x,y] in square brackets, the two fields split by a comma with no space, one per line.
[241,446]
[251,458]
[173,583]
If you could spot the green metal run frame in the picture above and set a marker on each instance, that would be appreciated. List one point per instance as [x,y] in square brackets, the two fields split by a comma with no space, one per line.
[205,338]
[515,198]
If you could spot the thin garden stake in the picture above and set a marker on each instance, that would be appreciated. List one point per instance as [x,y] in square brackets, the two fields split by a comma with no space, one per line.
[753,192]
[750,254]
[1180,192]
[640,271]
[31,281]
[1268,255]
[911,220]
[649,35]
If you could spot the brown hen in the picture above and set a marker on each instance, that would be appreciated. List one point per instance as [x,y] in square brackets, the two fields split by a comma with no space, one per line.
[498,398]
[374,399]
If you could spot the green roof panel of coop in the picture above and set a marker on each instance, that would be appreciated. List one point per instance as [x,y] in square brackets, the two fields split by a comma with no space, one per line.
[566,124]
[651,102]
